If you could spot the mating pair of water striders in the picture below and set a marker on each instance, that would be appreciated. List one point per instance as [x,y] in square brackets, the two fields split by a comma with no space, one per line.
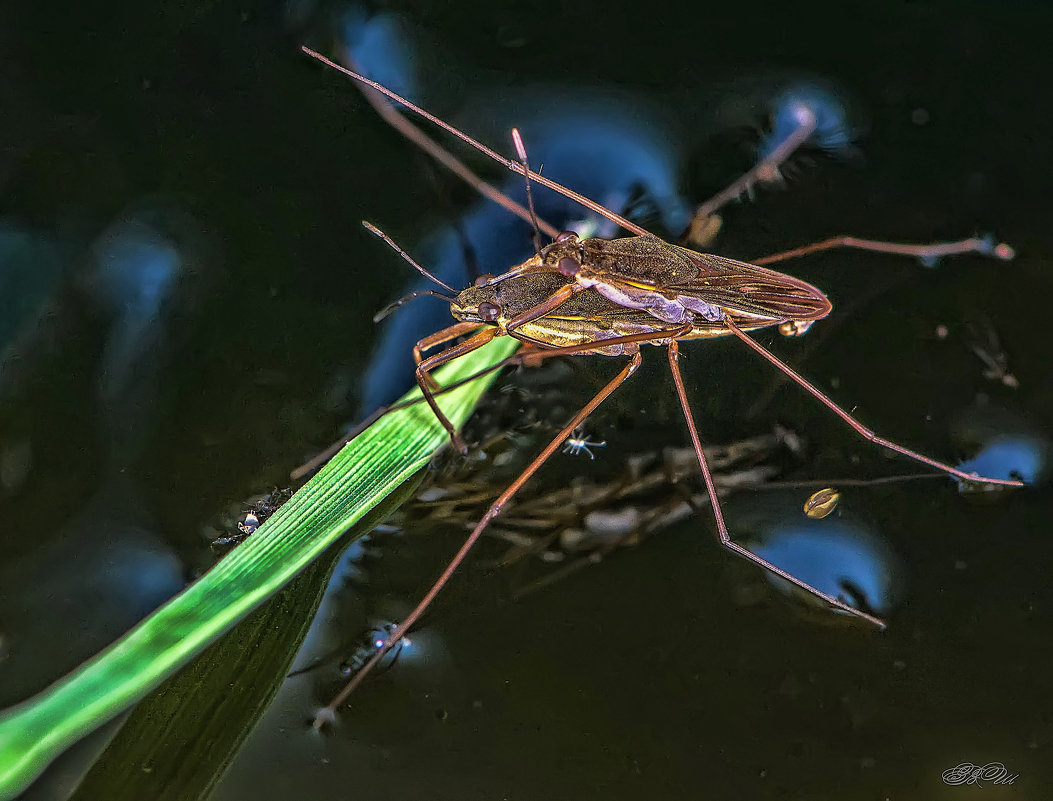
[591,296]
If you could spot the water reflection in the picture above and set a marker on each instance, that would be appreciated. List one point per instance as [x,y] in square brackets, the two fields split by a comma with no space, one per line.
[1018,457]
[103,570]
[837,126]
[1006,446]
[107,566]
[328,657]
[135,269]
[372,641]
[839,554]
[381,46]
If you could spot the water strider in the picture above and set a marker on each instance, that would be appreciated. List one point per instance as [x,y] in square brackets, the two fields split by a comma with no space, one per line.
[607,297]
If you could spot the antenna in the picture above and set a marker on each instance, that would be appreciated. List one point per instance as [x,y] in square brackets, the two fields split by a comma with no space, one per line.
[391,243]
[380,315]
[591,205]
[517,140]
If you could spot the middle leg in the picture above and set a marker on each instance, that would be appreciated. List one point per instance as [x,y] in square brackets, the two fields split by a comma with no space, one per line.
[718,515]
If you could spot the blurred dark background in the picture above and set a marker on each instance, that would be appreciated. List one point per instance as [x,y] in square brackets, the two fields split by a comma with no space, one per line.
[187,299]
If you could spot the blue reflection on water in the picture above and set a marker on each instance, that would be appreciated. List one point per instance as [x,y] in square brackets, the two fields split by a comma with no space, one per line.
[102,572]
[1016,456]
[135,271]
[839,555]
[107,566]
[835,130]
[380,46]
[841,559]
[1006,444]
[615,155]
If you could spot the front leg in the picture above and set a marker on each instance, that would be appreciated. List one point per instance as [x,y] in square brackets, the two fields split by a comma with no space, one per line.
[426,382]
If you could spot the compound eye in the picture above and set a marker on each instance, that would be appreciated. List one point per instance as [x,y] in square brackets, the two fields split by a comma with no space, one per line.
[488,312]
[568,266]
[566,236]
[485,278]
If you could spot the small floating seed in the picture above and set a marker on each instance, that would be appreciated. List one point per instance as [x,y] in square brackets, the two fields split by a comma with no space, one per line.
[821,503]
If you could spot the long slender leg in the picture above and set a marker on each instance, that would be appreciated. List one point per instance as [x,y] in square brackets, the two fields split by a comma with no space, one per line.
[451,353]
[981,245]
[858,427]
[517,139]
[718,515]
[495,509]
[436,339]
[444,335]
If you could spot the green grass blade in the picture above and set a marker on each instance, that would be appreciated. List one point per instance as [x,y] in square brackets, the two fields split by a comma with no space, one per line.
[357,479]
[177,743]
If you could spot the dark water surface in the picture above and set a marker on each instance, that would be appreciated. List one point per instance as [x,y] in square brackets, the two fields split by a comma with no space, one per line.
[138,406]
